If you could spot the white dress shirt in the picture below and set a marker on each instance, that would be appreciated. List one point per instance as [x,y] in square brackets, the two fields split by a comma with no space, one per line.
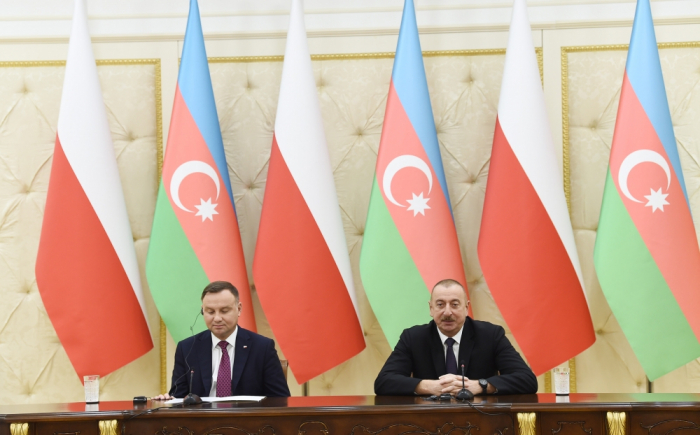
[216,357]
[455,347]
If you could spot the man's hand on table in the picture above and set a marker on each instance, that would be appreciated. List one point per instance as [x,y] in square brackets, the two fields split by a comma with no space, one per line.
[165,396]
[450,384]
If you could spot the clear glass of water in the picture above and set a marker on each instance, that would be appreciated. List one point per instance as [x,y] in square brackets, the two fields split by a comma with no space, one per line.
[92,388]
[561,381]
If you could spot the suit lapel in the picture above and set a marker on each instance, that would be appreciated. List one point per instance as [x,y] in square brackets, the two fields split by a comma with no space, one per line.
[240,358]
[205,345]
[437,349]
[466,344]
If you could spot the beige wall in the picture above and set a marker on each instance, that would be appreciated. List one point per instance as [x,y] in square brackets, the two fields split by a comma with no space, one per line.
[581,88]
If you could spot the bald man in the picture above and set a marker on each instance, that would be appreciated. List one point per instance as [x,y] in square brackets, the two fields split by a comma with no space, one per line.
[427,359]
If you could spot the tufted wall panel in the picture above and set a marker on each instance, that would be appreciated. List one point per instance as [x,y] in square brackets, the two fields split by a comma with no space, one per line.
[33,365]
[464,90]
[592,78]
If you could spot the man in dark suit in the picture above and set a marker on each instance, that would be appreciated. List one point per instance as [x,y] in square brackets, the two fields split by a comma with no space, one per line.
[247,362]
[428,358]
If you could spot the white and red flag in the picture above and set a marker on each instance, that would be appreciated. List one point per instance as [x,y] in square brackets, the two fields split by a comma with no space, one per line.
[301,268]
[526,244]
[86,267]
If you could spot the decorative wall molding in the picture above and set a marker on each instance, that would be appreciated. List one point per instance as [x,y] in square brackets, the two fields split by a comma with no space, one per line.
[159,20]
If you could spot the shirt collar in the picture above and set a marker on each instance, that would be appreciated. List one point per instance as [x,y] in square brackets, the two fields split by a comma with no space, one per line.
[457,338]
[230,340]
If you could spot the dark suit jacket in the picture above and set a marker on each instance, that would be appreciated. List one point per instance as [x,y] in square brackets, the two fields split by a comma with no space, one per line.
[484,349]
[256,367]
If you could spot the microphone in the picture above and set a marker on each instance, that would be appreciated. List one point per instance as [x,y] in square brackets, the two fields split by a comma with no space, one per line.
[193,399]
[174,386]
[464,394]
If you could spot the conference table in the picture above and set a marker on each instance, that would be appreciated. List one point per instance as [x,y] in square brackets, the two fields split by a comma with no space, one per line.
[536,414]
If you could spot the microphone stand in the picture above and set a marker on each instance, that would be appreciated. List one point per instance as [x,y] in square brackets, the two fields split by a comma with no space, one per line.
[193,399]
[464,394]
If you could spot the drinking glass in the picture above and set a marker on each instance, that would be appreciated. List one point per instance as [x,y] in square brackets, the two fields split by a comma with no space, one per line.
[92,388]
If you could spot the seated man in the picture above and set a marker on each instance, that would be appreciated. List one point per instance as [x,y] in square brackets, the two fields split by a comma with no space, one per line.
[428,358]
[246,362]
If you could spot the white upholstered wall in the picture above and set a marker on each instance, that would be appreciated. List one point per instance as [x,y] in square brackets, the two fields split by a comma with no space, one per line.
[33,365]
[592,81]
[581,79]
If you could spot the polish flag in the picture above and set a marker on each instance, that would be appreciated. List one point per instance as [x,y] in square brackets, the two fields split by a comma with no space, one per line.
[86,267]
[526,244]
[301,268]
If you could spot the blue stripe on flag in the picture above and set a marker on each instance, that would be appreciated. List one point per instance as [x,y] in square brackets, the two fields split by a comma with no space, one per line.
[644,72]
[411,86]
[195,85]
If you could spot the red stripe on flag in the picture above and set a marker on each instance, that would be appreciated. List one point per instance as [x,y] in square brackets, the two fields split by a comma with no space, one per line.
[527,267]
[215,241]
[668,232]
[430,235]
[82,282]
[299,282]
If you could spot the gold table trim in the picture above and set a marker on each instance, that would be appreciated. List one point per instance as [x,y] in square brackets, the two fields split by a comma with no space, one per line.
[526,423]
[616,423]
[19,429]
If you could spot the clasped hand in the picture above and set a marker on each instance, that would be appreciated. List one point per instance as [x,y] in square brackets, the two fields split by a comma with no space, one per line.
[447,384]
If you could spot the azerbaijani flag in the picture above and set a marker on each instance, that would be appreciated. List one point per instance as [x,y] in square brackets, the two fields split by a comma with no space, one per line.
[646,252]
[410,241]
[302,267]
[86,267]
[526,244]
[195,237]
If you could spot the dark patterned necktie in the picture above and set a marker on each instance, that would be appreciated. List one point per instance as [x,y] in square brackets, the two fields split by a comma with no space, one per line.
[223,379]
[450,360]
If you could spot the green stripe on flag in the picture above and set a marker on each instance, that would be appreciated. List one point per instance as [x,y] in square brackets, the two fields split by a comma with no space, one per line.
[638,294]
[394,287]
[175,275]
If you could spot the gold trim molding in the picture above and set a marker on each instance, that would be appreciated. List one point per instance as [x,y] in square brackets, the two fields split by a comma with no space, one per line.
[572,375]
[616,423]
[383,55]
[99,62]
[31,64]
[163,357]
[526,423]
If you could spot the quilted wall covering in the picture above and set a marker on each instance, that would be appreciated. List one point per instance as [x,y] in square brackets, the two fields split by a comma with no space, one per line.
[352,90]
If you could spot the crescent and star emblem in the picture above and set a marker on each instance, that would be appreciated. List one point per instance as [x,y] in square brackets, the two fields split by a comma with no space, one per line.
[656,199]
[418,204]
[206,209]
